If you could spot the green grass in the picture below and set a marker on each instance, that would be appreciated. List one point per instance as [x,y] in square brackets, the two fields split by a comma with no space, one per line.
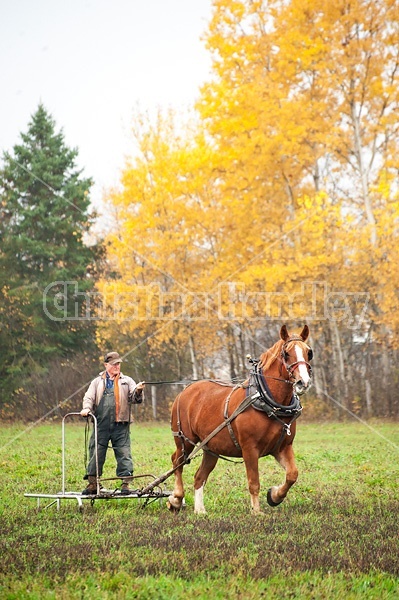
[335,536]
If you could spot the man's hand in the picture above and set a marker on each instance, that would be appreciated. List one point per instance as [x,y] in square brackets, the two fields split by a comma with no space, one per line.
[85,412]
[137,395]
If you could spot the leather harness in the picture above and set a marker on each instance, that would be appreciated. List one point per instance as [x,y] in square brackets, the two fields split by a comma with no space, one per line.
[259,396]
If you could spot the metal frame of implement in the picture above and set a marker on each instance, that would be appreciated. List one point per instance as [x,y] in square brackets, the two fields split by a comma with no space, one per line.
[149,494]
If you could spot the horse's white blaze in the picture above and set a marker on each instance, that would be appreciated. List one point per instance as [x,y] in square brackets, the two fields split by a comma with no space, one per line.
[199,500]
[302,368]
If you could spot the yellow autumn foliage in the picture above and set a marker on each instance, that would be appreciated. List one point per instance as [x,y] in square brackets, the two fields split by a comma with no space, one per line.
[280,202]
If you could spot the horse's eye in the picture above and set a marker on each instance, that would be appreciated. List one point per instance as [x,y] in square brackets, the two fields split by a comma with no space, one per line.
[286,356]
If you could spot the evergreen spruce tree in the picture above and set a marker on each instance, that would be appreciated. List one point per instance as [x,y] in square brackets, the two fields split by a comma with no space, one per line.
[44,215]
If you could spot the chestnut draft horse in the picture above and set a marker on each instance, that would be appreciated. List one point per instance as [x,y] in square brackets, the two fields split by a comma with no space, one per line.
[265,426]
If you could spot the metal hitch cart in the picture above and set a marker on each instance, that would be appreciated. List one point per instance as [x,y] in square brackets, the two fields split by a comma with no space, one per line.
[152,490]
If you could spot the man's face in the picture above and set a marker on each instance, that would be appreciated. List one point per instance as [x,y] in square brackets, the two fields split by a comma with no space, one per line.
[113,370]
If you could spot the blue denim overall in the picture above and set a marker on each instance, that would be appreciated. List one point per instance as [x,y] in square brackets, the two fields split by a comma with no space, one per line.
[108,429]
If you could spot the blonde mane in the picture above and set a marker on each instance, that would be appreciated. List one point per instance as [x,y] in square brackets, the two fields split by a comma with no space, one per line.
[268,358]
[271,355]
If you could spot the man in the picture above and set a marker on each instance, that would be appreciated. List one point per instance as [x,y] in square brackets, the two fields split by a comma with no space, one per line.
[108,397]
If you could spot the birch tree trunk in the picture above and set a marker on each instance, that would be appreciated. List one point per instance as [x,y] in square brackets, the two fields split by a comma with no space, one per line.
[363,176]
[154,402]
[194,362]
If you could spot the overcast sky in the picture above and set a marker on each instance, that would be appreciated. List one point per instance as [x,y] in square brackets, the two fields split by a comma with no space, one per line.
[90,62]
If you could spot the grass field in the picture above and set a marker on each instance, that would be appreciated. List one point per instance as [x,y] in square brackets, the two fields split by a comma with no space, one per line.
[336,535]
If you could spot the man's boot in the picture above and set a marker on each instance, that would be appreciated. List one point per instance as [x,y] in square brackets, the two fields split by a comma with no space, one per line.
[125,490]
[92,486]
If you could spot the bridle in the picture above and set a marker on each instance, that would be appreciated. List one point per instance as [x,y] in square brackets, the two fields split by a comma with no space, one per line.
[290,368]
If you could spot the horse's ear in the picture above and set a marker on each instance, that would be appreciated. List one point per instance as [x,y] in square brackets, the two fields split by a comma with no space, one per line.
[305,333]
[284,333]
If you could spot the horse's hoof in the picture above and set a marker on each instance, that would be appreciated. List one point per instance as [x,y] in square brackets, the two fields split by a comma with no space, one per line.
[172,508]
[270,500]
[200,511]
[174,504]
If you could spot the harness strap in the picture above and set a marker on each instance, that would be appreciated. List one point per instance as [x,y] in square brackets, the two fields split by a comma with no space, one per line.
[227,423]
[226,416]
[198,447]
[204,448]
[179,433]
[285,430]
[240,408]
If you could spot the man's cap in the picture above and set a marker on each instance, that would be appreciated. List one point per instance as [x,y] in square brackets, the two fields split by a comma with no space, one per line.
[112,358]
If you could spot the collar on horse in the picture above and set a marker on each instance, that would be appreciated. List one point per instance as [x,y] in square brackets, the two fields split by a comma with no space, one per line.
[263,398]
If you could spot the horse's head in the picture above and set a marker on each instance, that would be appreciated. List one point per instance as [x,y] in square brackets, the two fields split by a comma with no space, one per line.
[296,356]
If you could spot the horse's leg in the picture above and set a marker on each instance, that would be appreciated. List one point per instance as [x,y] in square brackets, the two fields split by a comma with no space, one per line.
[277,493]
[175,500]
[251,460]
[207,465]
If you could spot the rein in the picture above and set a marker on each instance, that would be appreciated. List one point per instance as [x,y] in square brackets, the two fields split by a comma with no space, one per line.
[188,382]
[182,382]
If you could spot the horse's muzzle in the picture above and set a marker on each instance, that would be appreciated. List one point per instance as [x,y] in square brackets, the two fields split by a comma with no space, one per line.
[301,388]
